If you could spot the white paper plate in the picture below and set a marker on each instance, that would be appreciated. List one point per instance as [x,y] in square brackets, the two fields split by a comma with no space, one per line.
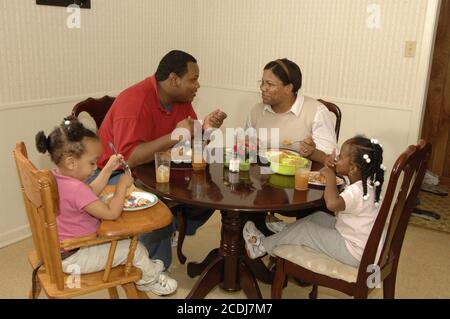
[135,196]
[339,180]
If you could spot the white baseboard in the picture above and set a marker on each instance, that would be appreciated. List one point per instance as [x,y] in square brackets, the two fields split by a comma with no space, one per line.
[15,235]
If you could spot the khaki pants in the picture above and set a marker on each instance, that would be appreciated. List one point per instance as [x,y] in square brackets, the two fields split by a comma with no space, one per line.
[92,259]
[316,231]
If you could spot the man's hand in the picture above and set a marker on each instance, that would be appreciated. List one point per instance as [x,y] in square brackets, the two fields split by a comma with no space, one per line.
[214,119]
[188,124]
[307,147]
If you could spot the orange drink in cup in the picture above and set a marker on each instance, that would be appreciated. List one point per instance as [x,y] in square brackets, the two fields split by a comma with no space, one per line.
[162,166]
[198,162]
[300,196]
[302,177]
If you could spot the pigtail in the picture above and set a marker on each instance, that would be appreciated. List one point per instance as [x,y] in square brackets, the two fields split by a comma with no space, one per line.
[66,139]
[368,155]
[363,161]
[74,130]
[378,171]
[42,142]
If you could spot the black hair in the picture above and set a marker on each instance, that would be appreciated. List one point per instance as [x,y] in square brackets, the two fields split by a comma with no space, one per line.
[66,139]
[175,61]
[287,71]
[371,166]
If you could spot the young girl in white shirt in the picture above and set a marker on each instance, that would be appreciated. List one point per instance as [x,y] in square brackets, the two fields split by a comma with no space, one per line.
[343,235]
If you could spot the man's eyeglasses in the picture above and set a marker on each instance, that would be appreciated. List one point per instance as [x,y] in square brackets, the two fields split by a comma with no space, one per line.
[268,84]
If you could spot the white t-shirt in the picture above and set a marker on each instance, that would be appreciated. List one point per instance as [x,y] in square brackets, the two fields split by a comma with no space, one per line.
[356,221]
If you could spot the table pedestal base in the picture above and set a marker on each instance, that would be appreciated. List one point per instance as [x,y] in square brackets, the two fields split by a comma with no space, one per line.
[229,265]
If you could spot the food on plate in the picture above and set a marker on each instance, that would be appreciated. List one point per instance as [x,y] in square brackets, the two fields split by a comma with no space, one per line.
[132,198]
[130,190]
[134,202]
[286,157]
[318,178]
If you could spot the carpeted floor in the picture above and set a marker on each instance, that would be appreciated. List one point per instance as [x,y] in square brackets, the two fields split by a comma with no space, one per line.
[423,270]
[437,204]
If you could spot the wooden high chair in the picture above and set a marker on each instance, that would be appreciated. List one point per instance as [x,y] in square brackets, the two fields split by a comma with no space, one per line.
[40,195]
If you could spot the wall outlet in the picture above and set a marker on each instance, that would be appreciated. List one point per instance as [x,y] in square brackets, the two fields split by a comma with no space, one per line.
[410,49]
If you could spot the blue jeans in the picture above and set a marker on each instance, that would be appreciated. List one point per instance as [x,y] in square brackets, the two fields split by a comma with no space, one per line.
[158,242]
[195,217]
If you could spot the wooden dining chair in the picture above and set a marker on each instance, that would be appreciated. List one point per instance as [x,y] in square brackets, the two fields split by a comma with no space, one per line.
[40,196]
[97,108]
[382,252]
[333,108]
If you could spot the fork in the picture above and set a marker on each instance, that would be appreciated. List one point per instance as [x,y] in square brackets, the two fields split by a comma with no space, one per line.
[124,164]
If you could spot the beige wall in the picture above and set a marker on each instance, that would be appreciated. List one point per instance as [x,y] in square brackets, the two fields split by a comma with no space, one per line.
[363,70]
[46,68]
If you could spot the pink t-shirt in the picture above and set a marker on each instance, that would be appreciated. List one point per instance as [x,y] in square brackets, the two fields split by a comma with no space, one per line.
[72,219]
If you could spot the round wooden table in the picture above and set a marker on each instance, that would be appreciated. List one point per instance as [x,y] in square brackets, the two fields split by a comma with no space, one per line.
[236,195]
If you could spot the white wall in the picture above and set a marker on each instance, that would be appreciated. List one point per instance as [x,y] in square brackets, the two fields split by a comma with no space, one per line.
[46,68]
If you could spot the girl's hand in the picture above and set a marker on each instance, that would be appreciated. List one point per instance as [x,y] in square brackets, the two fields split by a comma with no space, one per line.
[125,179]
[328,173]
[330,160]
[114,162]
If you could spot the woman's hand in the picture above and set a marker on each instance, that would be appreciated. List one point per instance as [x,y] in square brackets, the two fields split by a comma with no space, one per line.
[307,147]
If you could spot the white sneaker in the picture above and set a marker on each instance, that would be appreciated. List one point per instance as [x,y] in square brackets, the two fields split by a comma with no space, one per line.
[275,225]
[250,233]
[163,285]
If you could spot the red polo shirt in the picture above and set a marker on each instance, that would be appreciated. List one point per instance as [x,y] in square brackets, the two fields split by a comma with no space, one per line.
[136,117]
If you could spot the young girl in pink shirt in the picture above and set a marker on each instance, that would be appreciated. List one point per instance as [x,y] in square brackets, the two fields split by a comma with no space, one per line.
[75,151]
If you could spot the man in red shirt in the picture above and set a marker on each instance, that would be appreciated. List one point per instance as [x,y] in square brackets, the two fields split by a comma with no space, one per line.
[140,123]
[142,117]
